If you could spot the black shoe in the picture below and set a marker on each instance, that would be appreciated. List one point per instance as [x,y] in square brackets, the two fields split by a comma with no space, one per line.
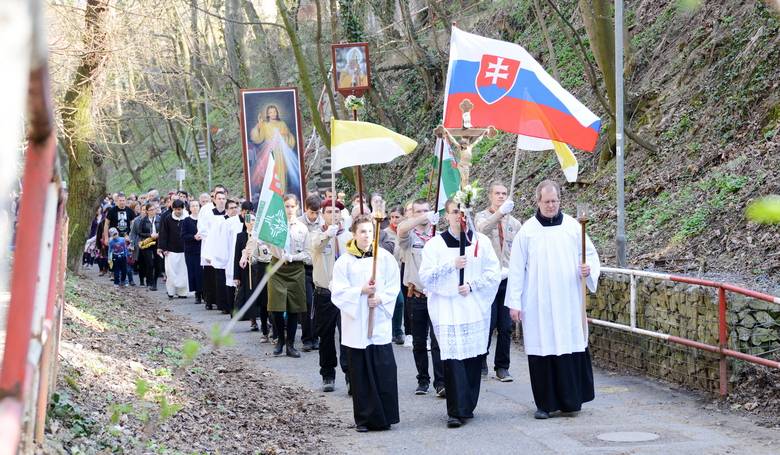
[278,349]
[132,284]
[328,385]
[422,389]
[209,306]
[254,328]
[170,297]
[292,352]
[454,422]
[441,392]
[361,429]
[502,374]
[182,297]
[315,345]
[541,415]
[484,372]
[399,339]
[307,346]
[152,288]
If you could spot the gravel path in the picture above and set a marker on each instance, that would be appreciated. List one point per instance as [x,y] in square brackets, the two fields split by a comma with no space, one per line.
[682,422]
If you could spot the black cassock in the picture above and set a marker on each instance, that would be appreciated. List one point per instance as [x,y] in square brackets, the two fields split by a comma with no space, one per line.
[374,382]
[247,286]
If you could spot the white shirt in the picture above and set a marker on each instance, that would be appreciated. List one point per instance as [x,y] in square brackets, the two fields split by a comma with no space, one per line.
[461,323]
[350,274]
[544,283]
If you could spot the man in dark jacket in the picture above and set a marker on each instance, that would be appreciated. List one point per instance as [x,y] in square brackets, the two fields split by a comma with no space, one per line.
[171,247]
[149,229]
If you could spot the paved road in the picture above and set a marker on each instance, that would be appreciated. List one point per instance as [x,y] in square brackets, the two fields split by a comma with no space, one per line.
[504,421]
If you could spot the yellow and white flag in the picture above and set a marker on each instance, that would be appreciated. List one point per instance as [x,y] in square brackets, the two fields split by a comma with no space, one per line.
[357,143]
[566,157]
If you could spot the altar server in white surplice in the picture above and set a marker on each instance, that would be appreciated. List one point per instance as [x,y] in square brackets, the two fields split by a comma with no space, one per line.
[544,291]
[372,368]
[460,315]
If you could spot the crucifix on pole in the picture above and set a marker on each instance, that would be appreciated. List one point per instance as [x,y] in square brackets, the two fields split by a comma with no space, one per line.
[464,139]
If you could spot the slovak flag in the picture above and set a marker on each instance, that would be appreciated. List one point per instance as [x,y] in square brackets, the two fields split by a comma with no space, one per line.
[512,92]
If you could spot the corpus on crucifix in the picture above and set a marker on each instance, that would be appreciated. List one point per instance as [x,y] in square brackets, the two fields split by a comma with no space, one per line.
[464,139]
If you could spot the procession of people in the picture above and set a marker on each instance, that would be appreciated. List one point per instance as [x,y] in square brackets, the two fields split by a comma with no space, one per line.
[461,280]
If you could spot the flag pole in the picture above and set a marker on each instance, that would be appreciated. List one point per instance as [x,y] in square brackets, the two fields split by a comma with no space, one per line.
[359,176]
[514,172]
[439,133]
[379,215]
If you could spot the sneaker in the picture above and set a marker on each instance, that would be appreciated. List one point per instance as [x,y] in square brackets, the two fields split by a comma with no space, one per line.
[126,285]
[116,286]
[132,284]
[307,346]
[441,392]
[502,374]
[421,389]
[278,349]
[484,372]
[328,385]
[408,341]
[264,338]
[541,415]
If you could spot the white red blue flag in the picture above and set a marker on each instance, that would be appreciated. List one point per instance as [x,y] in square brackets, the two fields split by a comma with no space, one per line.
[512,92]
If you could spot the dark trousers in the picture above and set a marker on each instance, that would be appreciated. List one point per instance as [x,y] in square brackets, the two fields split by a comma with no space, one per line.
[120,269]
[462,378]
[221,298]
[374,381]
[327,319]
[209,285]
[307,326]
[501,322]
[421,327]
[398,314]
[141,269]
[150,266]
[285,330]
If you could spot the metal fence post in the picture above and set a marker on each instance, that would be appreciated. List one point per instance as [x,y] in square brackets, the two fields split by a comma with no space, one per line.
[723,340]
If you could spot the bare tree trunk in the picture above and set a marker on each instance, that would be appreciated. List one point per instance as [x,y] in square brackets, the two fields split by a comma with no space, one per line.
[420,57]
[303,71]
[86,183]
[321,62]
[261,38]
[232,47]
[133,171]
[546,34]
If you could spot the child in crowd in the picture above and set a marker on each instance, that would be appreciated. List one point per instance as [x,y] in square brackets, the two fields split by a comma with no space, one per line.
[117,255]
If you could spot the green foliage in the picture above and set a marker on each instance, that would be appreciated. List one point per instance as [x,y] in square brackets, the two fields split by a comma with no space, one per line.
[118,410]
[765,210]
[692,225]
[167,410]
[483,147]
[189,350]
[141,388]
[61,408]
[674,133]
[220,340]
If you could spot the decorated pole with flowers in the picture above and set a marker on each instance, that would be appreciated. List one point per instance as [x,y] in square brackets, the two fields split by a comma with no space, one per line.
[465,198]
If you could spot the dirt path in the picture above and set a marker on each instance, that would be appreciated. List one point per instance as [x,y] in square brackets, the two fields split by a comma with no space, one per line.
[125,385]
[682,422]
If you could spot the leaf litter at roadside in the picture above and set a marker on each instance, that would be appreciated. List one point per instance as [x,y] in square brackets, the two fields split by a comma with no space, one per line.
[135,378]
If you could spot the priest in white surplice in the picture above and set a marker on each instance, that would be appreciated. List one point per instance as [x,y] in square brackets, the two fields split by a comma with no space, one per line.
[544,291]
[207,218]
[460,315]
[222,234]
[372,370]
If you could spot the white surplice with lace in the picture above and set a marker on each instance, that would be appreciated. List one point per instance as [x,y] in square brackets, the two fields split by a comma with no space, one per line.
[461,323]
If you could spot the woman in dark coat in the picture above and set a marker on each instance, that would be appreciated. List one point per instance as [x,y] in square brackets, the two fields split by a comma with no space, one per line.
[251,259]
[189,233]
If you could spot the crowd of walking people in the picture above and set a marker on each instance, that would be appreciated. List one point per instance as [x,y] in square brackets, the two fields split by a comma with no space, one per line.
[441,291]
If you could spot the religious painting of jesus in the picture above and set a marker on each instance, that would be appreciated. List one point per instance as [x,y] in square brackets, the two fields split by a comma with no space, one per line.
[351,68]
[271,125]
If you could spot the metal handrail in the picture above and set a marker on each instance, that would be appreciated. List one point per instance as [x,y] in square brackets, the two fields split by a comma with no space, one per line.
[721,348]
